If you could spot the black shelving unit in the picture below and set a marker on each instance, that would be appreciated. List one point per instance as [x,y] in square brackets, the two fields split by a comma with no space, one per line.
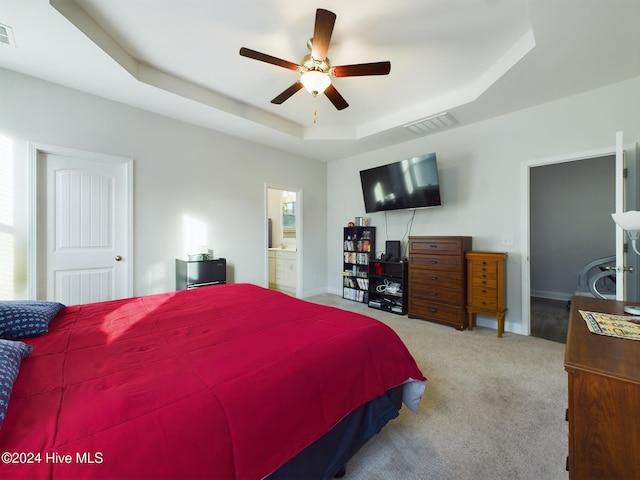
[388,286]
[359,246]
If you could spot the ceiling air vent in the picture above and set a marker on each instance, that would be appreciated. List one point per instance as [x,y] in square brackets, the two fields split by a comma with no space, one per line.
[432,124]
[6,35]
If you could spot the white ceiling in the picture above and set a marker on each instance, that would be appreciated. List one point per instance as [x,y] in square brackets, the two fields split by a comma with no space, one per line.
[472,58]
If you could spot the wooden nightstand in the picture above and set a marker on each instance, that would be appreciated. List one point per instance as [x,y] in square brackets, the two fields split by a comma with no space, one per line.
[486,286]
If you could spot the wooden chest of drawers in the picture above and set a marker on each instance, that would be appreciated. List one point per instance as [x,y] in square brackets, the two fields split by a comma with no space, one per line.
[438,279]
[486,286]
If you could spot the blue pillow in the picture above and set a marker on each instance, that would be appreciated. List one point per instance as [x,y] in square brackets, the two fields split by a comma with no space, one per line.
[21,319]
[11,355]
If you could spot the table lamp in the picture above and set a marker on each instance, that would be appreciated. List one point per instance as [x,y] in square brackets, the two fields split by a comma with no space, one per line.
[630,221]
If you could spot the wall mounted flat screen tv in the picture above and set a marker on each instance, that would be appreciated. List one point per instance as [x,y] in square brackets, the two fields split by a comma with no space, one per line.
[410,183]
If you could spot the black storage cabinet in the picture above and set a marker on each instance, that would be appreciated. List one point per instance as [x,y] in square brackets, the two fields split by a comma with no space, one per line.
[388,286]
[200,273]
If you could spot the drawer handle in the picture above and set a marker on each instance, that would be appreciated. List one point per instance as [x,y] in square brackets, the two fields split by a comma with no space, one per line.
[484,263]
[484,281]
[433,262]
[433,294]
[433,310]
[433,246]
[433,278]
[484,291]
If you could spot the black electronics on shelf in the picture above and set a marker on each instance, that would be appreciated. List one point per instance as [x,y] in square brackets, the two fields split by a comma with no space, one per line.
[388,286]
[202,273]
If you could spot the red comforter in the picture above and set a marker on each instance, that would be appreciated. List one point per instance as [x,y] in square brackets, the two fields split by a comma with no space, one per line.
[221,382]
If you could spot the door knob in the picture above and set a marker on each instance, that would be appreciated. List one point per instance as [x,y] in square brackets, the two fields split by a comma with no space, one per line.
[118,258]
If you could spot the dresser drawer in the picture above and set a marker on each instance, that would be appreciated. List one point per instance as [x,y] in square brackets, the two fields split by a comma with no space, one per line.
[484,281]
[486,302]
[483,291]
[485,266]
[435,277]
[453,263]
[437,294]
[435,246]
[435,311]
[482,271]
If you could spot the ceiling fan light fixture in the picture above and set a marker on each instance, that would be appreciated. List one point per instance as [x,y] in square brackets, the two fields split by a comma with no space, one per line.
[315,82]
[315,68]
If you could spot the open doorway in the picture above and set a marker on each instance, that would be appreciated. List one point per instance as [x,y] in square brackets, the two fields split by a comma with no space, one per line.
[570,228]
[283,239]
[575,227]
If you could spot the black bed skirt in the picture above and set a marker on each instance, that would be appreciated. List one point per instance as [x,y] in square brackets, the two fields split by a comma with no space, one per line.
[328,455]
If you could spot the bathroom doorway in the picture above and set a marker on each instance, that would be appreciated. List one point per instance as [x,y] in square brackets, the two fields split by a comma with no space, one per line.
[283,221]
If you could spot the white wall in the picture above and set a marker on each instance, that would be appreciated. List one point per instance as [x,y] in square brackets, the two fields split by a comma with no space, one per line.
[179,169]
[480,176]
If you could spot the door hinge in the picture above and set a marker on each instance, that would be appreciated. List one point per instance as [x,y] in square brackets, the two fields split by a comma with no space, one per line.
[625,172]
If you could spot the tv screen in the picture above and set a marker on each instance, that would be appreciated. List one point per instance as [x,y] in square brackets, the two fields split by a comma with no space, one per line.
[410,183]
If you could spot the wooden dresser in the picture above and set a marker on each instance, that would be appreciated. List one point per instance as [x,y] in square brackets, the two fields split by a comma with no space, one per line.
[438,279]
[486,287]
[604,398]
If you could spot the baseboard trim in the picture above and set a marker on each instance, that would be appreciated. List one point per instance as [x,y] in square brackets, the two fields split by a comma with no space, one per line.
[492,323]
[311,293]
[551,295]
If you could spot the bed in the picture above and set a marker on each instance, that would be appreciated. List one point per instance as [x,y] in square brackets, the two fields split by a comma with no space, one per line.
[223,382]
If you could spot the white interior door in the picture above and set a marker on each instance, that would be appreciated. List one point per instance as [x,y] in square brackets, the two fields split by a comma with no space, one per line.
[621,261]
[86,252]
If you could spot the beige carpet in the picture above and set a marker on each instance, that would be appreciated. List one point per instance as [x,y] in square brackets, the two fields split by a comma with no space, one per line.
[494,408]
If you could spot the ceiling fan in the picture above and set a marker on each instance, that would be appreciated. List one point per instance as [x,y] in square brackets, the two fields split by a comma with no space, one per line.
[315,69]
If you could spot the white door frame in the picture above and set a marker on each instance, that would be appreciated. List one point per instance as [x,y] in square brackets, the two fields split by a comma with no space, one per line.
[35,169]
[525,176]
[299,243]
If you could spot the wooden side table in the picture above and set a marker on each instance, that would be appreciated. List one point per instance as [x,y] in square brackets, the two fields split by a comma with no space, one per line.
[486,288]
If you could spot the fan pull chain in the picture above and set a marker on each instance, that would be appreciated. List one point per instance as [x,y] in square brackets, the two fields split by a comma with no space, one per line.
[315,109]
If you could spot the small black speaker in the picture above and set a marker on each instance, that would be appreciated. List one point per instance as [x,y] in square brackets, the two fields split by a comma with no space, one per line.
[393,247]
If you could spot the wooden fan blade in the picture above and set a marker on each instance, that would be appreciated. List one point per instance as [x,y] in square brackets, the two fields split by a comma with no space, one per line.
[362,69]
[263,57]
[325,20]
[338,100]
[287,93]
